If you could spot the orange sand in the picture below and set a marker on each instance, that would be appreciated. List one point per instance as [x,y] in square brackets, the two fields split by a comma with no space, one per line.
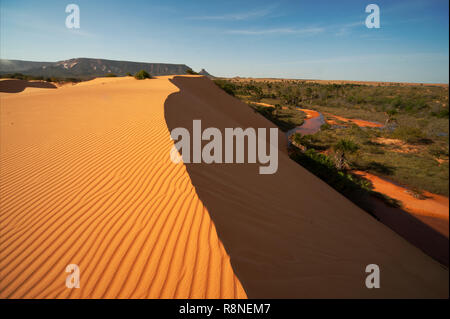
[263,104]
[360,123]
[400,146]
[433,205]
[310,113]
[86,179]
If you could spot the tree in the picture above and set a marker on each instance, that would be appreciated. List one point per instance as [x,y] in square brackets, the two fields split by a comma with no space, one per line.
[277,109]
[342,148]
[391,116]
[142,74]
[190,71]
[309,94]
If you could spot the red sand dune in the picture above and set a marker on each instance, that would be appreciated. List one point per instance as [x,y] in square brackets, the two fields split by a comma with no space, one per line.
[86,178]
[289,234]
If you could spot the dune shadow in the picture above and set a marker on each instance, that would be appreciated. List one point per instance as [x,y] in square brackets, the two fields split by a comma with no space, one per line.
[16,86]
[289,234]
[430,240]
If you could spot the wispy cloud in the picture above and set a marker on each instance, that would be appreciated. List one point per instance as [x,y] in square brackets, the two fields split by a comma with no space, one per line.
[338,30]
[305,31]
[253,14]
[345,29]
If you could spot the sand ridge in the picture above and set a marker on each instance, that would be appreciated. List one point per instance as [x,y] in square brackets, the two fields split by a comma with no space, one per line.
[289,234]
[86,178]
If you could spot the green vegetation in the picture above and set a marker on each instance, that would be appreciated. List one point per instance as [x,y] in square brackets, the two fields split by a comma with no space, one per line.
[413,165]
[142,74]
[110,75]
[190,71]
[411,150]
[226,86]
[357,99]
[353,187]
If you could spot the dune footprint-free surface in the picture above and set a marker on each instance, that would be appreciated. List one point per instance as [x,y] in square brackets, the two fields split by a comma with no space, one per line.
[86,179]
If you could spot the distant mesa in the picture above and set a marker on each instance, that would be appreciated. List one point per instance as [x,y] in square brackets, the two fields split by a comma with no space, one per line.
[86,68]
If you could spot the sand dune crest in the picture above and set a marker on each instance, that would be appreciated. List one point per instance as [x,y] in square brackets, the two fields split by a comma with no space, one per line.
[86,179]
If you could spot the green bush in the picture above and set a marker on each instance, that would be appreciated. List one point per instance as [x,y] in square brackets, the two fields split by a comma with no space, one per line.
[142,74]
[226,86]
[190,71]
[346,146]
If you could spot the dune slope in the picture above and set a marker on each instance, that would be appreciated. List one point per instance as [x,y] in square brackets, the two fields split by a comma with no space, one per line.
[289,234]
[86,179]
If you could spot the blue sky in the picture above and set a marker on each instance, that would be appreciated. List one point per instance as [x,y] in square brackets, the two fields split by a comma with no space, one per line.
[313,39]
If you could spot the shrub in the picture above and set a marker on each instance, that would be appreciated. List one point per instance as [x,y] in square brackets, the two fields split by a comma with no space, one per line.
[110,75]
[190,71]
[346,146]
[410,134]
[441,114]
[342,148]
[142,74]
[226,86]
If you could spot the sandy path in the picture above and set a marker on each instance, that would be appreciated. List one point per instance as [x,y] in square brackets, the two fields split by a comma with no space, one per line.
[289,234]
[86,179]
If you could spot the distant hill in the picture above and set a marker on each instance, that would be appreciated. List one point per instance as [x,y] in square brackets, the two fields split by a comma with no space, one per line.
[88,68]
[20,66]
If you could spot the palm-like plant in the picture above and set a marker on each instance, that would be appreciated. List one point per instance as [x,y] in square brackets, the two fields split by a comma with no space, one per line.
[342,148]
[391,116]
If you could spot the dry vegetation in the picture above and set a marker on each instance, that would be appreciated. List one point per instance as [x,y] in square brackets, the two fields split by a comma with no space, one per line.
[414,116]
